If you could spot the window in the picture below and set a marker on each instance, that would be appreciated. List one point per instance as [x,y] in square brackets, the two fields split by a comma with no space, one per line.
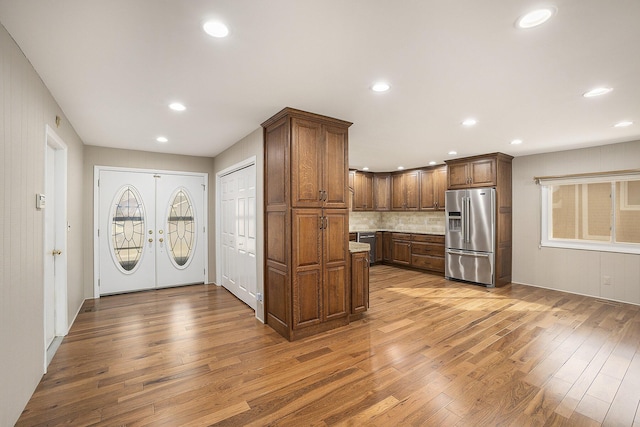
[599,212]
[181,229]
[127,229]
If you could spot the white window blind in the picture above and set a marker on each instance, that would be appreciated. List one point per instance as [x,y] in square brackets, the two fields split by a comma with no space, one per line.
[591,212]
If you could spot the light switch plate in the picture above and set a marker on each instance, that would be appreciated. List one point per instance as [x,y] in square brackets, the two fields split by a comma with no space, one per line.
[40,201]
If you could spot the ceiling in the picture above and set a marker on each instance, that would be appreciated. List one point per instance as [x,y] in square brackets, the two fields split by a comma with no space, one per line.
[115,65]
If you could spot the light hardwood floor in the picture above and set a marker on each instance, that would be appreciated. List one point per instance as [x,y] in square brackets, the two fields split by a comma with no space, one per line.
[429,352]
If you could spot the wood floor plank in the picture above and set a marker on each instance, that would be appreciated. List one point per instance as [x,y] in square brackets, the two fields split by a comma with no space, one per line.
[428,352]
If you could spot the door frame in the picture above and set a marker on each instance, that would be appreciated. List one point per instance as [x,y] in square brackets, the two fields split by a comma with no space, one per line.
[61,324]
[250,161]
[96,215]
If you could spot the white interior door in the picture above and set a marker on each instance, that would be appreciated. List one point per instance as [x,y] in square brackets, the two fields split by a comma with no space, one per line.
[55,243]
[180,229]
[151,230]
[50,249]
[238,202]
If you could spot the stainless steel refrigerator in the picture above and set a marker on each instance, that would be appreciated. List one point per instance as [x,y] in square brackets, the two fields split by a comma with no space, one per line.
[470,235]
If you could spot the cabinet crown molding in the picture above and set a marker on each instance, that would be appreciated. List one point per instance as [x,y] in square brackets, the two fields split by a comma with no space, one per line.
[480,156]
[292,112]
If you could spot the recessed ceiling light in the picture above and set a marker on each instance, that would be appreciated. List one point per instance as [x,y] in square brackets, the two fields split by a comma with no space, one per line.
[535,18]
[215,29]
[431,163]
[176,106]
[597,92]
[516,142]
[365,168]
[623,124]
[469,122]
[162,139]
[400,168]
[452,153]
[380,87]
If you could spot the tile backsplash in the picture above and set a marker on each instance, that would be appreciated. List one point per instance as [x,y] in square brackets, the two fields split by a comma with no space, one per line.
[413,222]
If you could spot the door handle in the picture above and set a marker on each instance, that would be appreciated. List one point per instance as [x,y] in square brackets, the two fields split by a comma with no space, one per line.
[56,252]
[474,254]
[161,240]
[150,240]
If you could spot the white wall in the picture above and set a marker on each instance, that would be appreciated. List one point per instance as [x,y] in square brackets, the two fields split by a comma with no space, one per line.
[249,146]
[569,270]
[26,107]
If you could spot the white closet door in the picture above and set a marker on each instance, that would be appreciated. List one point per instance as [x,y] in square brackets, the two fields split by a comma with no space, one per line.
[127,232]
[238,202]
[229,268]
[180,230]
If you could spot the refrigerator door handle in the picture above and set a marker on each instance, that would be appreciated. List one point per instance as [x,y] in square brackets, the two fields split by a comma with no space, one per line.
[467,209]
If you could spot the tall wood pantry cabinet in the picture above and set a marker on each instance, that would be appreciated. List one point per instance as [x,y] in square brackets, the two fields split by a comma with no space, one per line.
[306,274]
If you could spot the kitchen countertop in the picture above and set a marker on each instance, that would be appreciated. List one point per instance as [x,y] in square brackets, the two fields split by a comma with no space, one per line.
[400,231]
[358,247]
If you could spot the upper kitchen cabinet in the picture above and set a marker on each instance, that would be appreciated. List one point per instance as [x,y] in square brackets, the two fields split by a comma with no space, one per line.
[478,171]
[362,191]
[405,195]
[382,191]
[318,147]
[433,184]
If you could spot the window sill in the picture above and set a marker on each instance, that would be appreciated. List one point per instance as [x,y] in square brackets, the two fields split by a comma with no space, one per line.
[593,246]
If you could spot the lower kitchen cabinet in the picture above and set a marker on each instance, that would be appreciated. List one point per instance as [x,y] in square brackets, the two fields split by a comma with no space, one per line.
[419,251]
[386,246]
[320,271]
[359,284]
[401,248]
[427,252]
[379,251]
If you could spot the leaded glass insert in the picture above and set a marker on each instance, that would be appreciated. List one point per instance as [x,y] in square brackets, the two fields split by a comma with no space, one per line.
[127,229]
[181,228]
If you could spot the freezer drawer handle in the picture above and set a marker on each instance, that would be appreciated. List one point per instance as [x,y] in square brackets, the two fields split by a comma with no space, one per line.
[454,252]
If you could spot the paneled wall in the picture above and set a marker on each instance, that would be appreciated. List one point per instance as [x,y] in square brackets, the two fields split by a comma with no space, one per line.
[26,107]
[101,156]
[576,271]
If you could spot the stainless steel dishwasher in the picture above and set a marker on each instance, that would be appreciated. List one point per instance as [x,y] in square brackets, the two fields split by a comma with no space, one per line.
[370,238]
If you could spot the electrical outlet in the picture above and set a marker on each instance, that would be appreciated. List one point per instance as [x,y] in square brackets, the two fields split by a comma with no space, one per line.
[606,280]
[258,296]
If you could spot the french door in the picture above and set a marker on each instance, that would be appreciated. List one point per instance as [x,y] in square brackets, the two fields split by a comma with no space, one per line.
[151,230]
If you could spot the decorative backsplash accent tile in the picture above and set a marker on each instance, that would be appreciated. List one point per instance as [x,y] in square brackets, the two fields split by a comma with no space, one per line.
[413,222]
